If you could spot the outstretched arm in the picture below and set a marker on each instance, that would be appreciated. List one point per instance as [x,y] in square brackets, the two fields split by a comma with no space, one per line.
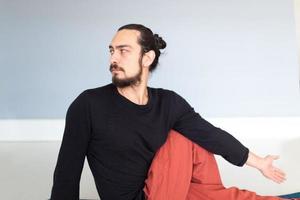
[266,167]
[188,122]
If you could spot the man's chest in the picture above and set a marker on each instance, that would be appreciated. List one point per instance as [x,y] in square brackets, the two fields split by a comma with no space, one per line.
[117,130]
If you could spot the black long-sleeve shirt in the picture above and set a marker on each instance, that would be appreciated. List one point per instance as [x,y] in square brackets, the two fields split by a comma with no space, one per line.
[120,139]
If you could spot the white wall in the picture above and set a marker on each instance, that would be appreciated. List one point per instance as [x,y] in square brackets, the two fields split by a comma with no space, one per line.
[297,17]
[236,58]
[235,61]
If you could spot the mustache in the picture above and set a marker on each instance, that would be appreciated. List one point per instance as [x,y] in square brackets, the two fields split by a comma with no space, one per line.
[115,67]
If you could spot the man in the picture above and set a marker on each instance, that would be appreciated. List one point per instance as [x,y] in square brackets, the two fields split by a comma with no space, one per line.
[121,126]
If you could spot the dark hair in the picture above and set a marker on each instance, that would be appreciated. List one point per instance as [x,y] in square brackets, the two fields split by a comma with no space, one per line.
[148,41]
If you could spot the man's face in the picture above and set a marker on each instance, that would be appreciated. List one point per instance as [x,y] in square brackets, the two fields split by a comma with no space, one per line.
[125,58]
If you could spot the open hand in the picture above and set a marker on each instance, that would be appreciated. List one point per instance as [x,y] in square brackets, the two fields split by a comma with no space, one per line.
[269,171]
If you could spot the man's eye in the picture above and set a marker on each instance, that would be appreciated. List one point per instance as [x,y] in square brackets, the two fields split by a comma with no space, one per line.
[111,51]
[123,50]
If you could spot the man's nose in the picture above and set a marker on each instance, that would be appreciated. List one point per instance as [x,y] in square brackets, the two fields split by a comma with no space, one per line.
[114,57]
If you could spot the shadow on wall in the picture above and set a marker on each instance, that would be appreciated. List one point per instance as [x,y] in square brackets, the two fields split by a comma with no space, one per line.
[291,150]
[291,158]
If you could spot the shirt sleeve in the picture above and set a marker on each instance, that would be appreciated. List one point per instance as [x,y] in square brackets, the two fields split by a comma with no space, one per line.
[190,124]
[77,132]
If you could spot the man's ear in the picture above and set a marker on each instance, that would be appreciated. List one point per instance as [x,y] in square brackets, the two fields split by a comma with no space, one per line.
[148,58]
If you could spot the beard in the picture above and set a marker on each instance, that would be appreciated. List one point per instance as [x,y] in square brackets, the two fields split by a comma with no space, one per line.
[125,82]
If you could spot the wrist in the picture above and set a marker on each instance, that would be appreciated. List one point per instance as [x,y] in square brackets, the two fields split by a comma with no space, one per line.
[255,161]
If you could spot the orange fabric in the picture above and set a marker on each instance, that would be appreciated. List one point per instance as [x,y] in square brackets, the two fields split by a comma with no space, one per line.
[182,170]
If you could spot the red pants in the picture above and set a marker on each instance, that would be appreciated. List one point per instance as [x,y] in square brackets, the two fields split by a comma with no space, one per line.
[182,170]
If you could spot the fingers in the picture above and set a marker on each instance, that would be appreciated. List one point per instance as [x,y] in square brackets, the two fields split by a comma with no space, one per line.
[279,171]
[271,172]
[278,179]
[273,157]
[278,175]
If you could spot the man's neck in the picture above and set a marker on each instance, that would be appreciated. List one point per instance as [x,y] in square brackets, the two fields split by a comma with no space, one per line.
[138,94]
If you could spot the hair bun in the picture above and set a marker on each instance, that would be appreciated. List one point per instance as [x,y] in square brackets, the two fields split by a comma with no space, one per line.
[159,42]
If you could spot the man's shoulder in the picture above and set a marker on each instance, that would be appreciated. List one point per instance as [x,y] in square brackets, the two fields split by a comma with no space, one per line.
[163,92]
[97,91]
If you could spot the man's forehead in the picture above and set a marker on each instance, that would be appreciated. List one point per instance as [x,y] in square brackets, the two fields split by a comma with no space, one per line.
[125,37]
